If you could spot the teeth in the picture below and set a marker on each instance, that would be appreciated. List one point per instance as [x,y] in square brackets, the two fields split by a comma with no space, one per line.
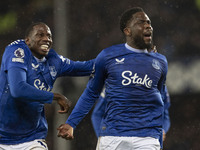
[44,46]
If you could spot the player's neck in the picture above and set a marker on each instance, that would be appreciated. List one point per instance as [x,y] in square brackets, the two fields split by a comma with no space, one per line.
[40,60]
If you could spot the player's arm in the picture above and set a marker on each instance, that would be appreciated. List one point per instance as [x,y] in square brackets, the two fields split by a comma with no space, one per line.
[98,113]
[82,68]
[166,123]
[86,101]
[21,90]
[167,103]
[165,97]
[75,68]
[166,117]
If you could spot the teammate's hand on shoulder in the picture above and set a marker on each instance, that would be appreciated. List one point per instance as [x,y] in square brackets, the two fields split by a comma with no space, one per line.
[64,103]
[65,131]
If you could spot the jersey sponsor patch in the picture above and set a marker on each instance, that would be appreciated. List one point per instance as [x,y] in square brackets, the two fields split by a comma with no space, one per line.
[129,78]
[18,60]
[19,53]
[41,85]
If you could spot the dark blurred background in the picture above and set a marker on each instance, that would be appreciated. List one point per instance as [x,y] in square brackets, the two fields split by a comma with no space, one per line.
[81,29]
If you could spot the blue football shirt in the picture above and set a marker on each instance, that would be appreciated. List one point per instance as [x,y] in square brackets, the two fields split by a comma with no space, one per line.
[22,119]
[135,84]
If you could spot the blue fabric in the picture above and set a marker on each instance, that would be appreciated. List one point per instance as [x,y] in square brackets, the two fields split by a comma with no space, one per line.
[135,89]
[21,90]
[25,88]
[166,116]
[99,111]
[97,114]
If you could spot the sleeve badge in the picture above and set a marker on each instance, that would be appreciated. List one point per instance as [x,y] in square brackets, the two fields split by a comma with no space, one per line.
[19,53]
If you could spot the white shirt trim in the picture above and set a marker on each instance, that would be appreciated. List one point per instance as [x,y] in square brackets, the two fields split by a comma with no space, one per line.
[40,60]
[136,50]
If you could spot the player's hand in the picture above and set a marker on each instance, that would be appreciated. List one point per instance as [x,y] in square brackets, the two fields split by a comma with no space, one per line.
[64,103]
[164,135]
[154,49]
[65,131]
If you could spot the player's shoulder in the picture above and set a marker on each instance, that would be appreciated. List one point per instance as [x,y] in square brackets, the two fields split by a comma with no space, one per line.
[18,47]
[113,50]
[159,56]
[55,58]
[17,43]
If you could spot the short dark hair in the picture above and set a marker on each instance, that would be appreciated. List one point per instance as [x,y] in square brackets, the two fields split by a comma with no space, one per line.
[30,28]
[127,15]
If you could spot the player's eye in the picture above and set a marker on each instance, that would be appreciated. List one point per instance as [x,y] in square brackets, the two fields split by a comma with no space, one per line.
[40,34]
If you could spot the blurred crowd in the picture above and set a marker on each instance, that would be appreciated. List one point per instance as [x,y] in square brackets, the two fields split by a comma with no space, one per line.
[175,24]
[94,25]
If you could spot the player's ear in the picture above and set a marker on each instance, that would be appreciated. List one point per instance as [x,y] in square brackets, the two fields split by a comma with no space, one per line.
[27,40]
[127,31]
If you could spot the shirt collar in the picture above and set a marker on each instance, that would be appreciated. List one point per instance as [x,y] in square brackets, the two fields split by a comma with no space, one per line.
[40,60]
[136,50]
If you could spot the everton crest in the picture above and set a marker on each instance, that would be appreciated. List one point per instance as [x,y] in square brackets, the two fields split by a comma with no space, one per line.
[53,71]
[156,64]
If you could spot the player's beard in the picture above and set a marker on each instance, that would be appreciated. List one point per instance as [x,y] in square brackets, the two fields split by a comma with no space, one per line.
[140,43]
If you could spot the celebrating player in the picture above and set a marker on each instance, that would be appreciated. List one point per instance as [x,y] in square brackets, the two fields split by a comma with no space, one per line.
[100,105]
[134,80]
[29,69]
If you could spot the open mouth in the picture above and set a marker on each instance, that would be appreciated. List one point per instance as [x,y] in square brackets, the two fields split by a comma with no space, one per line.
[44,47]
[147,36]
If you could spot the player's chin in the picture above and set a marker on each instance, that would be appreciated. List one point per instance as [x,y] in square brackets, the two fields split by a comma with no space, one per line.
[147,40]
[148,44]
[44,53]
